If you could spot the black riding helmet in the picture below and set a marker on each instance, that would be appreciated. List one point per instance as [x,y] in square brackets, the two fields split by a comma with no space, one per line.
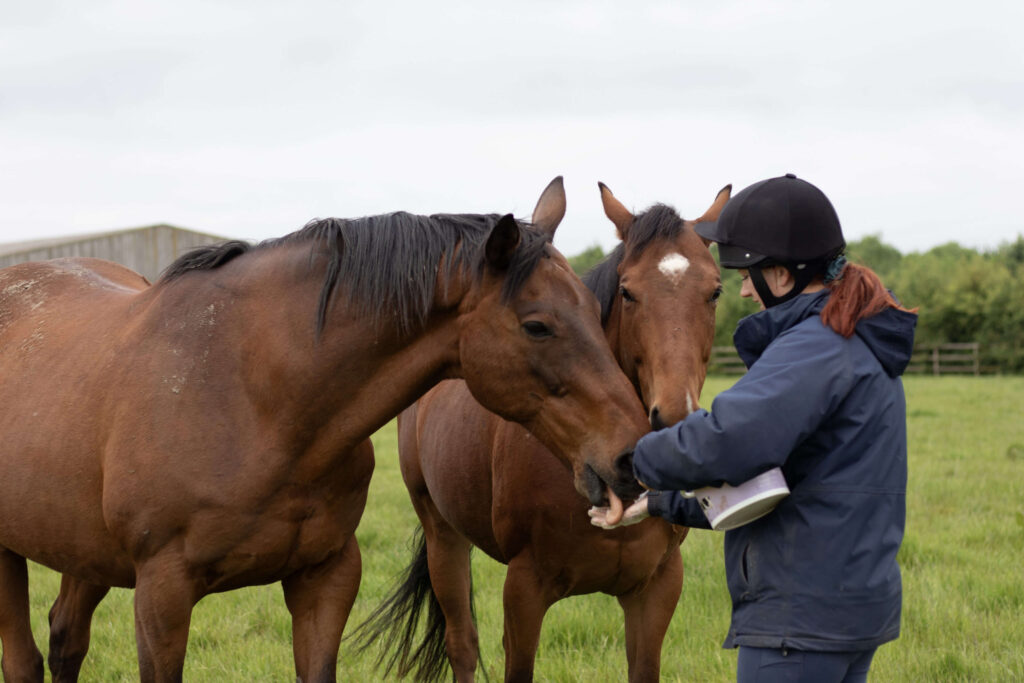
[782,221]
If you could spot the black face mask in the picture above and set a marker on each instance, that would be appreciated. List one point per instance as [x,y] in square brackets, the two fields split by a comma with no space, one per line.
[801,276]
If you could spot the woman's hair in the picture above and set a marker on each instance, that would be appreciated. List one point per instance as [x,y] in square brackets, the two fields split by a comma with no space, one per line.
[856,294]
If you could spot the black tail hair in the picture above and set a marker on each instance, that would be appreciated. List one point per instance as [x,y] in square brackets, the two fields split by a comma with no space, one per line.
[394,623]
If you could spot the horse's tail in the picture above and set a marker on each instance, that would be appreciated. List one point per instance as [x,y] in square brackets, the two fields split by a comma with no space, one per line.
[392,626]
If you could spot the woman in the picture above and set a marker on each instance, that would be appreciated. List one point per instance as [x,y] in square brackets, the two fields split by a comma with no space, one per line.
[815,585]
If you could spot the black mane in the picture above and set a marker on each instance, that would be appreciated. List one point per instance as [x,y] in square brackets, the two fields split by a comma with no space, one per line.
[389,263]
[658,222]
[205,258]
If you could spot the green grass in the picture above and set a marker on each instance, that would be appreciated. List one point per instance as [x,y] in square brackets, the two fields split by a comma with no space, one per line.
[963,569]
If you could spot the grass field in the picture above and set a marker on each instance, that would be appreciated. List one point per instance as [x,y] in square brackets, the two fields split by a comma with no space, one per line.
[962,559]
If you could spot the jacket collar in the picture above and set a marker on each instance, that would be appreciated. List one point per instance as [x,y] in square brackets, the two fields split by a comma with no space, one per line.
[755,332]
[889,334]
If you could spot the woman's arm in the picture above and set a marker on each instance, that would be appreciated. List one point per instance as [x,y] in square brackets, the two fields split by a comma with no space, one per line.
[754,425]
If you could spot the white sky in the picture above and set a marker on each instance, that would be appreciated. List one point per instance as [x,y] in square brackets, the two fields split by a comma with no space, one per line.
[246,118]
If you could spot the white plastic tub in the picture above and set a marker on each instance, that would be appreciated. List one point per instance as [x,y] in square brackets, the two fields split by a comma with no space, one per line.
[728,507]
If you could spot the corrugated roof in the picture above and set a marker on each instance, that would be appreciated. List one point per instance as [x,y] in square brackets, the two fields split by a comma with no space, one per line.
[31,245]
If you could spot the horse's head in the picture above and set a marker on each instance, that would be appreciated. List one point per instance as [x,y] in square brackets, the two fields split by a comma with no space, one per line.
[538,356]
[661,322]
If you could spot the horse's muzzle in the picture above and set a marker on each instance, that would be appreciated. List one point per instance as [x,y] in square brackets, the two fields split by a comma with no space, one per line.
[624,485]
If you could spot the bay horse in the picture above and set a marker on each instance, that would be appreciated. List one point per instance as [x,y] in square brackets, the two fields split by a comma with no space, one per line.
[208,432]
[477,480]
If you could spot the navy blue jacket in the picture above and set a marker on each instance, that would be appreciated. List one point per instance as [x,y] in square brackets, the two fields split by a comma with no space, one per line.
[819,572]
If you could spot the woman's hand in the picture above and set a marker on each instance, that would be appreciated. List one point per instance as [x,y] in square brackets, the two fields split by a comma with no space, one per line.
[637,512]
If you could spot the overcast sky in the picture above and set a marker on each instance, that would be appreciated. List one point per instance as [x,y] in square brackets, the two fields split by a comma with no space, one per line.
[247,118]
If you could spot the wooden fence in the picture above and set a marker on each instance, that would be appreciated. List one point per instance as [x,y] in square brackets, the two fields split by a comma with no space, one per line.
[725,361]
[929,359]
[945,359]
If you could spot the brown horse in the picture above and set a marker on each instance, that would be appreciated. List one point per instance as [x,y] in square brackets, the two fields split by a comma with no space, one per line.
[477,480]
[205,433]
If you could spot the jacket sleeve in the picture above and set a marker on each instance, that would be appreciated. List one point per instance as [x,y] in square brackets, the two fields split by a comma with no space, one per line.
[672,507]
[754,425]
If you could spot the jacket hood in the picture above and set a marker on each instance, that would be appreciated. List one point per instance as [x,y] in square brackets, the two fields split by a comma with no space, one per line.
[888,334]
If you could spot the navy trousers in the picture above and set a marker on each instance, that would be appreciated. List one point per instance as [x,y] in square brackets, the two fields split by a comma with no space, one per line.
[770,665]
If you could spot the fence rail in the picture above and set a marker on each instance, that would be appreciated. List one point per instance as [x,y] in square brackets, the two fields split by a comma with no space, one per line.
[946,359]
[927,359]
[725,361]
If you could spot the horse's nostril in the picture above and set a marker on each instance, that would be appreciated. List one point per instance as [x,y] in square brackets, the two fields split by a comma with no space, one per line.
[627,487]
[624,465]
[656,421]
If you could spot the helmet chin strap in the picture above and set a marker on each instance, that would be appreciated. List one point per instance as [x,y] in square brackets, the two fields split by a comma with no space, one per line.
[802,277]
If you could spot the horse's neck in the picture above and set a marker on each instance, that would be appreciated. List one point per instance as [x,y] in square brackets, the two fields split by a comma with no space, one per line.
[356,376]
[378,380]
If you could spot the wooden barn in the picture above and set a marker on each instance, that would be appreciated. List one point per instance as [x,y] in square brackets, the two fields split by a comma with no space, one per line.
[146,250]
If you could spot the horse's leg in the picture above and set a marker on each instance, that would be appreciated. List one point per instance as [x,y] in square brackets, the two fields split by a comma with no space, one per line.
[319,599]
[22,661]
[527,599]
[164,598]
[70,621]
[448,559]
[648,612]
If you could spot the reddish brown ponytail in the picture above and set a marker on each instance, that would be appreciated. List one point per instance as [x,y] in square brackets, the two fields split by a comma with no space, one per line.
[856,294]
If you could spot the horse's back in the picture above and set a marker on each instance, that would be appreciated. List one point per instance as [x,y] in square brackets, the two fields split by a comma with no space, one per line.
[35,287]
[81,267]
[57,320]
[61,311]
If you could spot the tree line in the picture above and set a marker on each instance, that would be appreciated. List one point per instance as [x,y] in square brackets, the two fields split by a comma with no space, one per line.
[962,294]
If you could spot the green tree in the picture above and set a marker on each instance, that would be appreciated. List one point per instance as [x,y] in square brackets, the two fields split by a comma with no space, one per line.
[1012,254]
[731,307]
[870,251]
[586,259]
[1002,331]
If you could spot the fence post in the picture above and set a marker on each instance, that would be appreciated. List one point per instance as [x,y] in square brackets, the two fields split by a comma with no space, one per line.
[935,360]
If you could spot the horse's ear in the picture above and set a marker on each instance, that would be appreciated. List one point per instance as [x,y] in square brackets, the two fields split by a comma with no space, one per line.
[616,212]
[716,208]
[550,208]
[502,242]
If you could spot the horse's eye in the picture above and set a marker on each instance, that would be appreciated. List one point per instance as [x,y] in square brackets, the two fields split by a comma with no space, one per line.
[627,295]
[714,297]
[537,329]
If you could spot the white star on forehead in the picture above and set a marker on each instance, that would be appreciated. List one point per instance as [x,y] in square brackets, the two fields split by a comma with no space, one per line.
[673,266]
